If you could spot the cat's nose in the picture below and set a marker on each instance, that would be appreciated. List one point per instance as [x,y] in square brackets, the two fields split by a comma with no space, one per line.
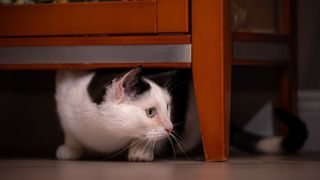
[169,130]
[167,125]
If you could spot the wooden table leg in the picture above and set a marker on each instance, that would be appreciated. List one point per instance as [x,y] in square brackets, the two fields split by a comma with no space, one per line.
[211,67]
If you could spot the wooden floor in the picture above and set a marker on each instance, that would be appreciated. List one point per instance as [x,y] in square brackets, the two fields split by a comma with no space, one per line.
[246,168]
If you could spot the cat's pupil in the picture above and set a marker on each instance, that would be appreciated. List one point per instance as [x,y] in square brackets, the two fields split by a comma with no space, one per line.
[151,112]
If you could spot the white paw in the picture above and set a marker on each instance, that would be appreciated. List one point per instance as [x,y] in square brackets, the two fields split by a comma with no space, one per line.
[140,155]
[65,152]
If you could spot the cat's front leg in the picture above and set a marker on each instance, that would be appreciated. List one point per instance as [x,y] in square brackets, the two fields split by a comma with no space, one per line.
[70,150]
[141,152]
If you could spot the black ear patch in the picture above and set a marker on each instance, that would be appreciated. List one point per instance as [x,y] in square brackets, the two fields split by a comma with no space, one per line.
[97,87]
[133,83]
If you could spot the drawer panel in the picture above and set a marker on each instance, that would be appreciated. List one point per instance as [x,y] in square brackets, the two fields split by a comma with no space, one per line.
[173,16]
[118,17]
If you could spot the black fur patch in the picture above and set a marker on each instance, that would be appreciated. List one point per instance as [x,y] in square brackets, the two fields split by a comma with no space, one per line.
[138,89]
[292,142]
[97,87]
[297,131]
[134,85]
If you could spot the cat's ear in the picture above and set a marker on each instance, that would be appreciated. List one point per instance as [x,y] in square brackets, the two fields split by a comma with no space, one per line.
[131,84]
[164,79]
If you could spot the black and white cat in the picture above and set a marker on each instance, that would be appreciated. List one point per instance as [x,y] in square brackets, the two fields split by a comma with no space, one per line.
[107,113]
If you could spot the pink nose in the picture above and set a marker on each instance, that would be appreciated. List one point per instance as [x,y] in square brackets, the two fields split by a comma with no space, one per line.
[169,130]
[167,125]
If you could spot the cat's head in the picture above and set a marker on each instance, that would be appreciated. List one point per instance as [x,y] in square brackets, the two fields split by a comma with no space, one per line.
[142,105]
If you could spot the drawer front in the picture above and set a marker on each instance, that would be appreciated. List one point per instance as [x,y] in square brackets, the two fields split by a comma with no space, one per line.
[173,16]
[117,17]
[78,18]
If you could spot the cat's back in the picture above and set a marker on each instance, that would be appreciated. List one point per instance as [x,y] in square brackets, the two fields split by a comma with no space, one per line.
[72,77]
[67,80]
[71,86]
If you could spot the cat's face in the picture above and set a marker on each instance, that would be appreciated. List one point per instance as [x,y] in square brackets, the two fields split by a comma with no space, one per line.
[143,107]
[155,108]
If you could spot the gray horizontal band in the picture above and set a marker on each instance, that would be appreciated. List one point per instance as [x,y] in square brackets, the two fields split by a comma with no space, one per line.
[96,54]
[260,51]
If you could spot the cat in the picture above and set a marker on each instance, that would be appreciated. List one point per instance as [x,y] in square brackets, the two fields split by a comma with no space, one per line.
[105,113]
[289,143]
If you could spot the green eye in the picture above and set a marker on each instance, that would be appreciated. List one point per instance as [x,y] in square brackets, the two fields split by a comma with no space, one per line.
[150,112]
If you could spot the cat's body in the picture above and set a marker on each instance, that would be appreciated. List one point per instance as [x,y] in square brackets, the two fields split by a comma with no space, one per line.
[106,114]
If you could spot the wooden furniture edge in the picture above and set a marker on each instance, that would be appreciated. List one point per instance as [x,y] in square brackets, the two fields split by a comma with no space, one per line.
[288,79]
[95,40]
[91,66]
[211,68]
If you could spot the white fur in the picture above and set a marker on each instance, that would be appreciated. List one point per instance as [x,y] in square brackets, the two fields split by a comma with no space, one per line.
[270,145]
[111,126]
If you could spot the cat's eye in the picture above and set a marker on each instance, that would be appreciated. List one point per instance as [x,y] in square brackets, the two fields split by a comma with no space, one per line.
[150,112]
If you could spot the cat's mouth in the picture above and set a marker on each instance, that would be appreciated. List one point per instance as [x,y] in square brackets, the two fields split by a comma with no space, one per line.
[157,135]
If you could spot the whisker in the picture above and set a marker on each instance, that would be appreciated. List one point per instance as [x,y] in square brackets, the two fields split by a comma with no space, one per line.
[138,141]
[178,136]
[151,146]
[177,125]
[172,145]
[157,144]
[180,145]
[117,153]
[170,82]
[146,146]
[171,89]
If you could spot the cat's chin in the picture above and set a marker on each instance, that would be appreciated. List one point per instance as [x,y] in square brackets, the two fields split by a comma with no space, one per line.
[158,138]
[156,135]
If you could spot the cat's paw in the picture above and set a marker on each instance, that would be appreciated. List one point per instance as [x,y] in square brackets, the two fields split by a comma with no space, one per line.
[140,155]
[65,152]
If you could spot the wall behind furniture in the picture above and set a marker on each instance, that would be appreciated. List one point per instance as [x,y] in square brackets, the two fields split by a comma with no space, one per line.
[309,69]
[251,95]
